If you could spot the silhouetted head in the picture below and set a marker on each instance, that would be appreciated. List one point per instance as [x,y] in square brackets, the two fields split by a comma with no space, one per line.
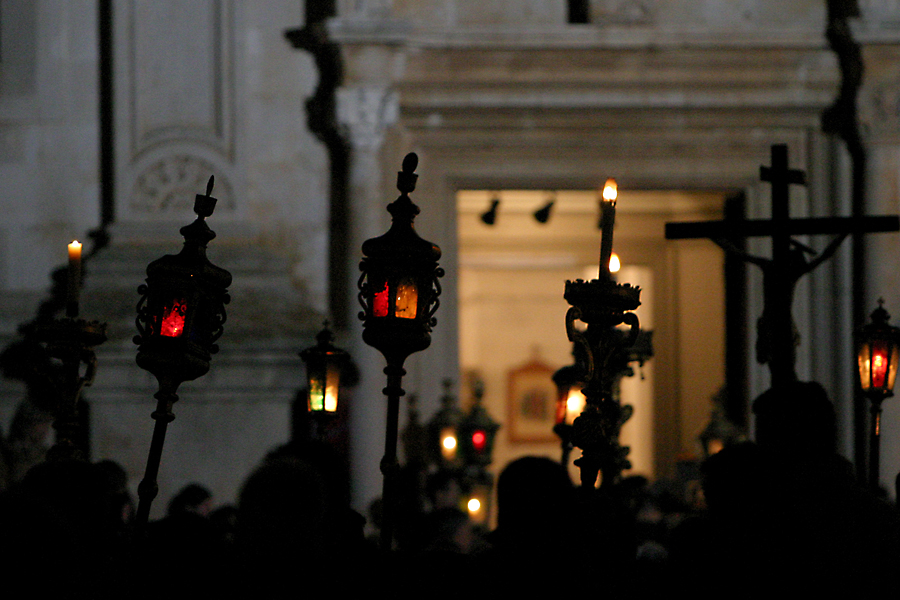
[532,492]
[797,418]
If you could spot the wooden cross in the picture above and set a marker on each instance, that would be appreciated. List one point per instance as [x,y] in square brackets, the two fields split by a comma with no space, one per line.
[776,338]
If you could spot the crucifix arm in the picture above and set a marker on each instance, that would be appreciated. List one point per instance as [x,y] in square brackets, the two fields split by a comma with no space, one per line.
[829,250]
[728,246]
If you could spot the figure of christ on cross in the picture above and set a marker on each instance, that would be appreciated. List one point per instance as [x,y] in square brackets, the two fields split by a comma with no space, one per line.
[776,336]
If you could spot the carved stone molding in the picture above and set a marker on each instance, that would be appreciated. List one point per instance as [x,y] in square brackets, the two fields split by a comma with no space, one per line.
[623,12]
[168,186]
[366,112]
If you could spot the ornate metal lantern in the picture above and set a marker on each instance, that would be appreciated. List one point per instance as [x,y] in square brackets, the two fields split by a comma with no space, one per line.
[323,373]
[180,317]
[878,352]
[398,290]
[477,432]
[399,285]
[444,432]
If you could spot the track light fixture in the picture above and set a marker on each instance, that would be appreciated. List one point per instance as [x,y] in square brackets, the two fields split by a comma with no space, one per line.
[490,216]
[542,215]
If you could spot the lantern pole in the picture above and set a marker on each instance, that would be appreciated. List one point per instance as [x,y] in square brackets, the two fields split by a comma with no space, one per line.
[181,315]
[398,290]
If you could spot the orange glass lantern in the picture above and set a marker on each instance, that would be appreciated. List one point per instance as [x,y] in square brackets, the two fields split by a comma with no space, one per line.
[878,352]
[398,291]
[877,345]
[399,284]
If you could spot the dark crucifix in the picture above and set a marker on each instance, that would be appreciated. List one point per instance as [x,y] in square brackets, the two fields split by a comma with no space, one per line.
[776,334]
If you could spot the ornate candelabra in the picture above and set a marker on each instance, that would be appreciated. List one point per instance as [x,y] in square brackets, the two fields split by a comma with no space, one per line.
[71,340]
[181,314]
[398,290]
[602,304]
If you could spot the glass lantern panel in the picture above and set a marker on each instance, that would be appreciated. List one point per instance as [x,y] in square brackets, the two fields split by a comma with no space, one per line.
[479,440]
[865,367]
[880,363]
[407,299]
[173,318]
[316,392]
[892,367]
[332,380]
[381,301]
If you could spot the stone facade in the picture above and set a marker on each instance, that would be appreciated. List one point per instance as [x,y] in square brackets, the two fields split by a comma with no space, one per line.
[494,94]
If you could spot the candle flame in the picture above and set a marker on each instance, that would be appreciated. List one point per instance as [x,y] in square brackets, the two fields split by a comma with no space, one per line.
[610,190]
[614,264]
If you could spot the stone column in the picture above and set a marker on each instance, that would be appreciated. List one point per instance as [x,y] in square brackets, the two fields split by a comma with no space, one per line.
[367,111]
[879,107]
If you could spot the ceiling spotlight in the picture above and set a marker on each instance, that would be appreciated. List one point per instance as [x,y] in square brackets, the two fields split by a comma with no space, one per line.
[542,215]
[490,216]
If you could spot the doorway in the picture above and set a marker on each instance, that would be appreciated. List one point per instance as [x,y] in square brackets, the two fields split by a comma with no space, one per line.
[512,274]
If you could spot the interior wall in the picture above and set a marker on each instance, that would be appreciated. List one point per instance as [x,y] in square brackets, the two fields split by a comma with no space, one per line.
[512,312]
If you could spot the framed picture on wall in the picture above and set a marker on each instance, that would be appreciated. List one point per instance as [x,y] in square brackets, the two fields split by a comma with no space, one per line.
[531,403]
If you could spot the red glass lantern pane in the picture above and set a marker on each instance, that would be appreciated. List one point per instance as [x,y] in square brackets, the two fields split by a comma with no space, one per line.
[479,440]
[879,364]
[173,318]
[380,303]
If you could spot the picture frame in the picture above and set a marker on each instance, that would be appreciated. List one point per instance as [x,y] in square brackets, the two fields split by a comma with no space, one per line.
[531,402]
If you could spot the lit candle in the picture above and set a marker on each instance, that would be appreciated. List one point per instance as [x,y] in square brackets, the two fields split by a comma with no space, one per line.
[173,319]
[407,299]
[614,263]
[73,288]
[607,220]
[448,444]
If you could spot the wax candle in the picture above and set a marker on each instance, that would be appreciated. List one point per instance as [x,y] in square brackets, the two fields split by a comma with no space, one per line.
[607,220]
[73,288]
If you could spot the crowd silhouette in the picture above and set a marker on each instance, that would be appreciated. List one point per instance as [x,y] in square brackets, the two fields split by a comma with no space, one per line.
[782,514]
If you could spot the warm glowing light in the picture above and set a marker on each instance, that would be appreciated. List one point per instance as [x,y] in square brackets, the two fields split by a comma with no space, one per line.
[380,302]
[715,446]
[879,370]
[474,505]
[73,289]
[479,440]
[610,191]
[448,444]
[332,380]
[407,299]
[173,319]
[614,264]
[574,404]
[75,250]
